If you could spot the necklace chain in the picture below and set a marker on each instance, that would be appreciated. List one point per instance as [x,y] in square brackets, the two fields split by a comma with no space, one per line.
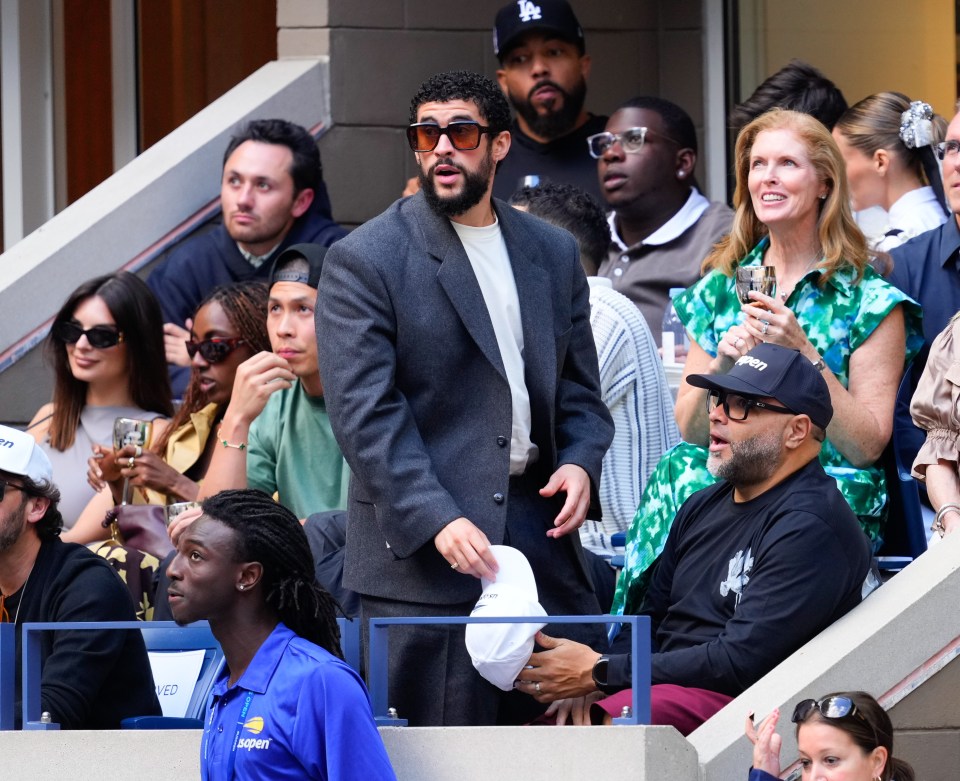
[3,599]
[784,293]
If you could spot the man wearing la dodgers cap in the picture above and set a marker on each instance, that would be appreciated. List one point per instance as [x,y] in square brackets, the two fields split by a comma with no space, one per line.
[754,565]
[89,680]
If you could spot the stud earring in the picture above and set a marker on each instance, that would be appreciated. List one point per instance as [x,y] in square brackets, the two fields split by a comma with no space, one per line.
[823,197]
[680,174]
[240,587]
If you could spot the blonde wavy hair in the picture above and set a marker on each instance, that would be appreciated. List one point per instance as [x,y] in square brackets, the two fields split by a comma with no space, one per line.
[842,241]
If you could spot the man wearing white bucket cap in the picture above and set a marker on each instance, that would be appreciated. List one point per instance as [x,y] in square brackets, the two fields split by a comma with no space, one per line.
[89,680]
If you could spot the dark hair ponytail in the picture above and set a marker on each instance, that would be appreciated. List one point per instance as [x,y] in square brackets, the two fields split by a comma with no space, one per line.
[267,532]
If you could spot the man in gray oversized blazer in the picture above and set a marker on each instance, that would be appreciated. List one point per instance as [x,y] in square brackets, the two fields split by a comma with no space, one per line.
[461,380]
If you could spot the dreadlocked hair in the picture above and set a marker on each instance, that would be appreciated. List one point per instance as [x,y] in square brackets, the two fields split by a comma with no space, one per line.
[245,305]
[268,533]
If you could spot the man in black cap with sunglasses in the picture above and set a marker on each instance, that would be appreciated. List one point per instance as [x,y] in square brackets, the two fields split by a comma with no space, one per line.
[462,382]
[754,566]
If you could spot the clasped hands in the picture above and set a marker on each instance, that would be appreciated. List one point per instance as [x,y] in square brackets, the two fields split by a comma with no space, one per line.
[769,320]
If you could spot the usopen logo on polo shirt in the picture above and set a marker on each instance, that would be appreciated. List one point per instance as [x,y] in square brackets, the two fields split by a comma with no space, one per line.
[255,727]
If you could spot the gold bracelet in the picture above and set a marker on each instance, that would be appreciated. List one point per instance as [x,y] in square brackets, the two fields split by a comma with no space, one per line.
[241,446]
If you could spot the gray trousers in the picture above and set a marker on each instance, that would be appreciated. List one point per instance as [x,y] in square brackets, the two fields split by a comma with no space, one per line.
[432,681]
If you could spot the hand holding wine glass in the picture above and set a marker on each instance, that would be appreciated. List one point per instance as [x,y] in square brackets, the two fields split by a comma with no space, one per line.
[763,279]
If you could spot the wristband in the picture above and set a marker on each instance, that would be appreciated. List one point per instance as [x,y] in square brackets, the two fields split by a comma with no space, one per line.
[242,446]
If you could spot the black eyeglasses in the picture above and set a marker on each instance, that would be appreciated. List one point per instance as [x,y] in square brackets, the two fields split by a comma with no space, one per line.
[100,336]
[829,707]
[214,350]
[737,407]
[947,149]
[631,141]
[463,134]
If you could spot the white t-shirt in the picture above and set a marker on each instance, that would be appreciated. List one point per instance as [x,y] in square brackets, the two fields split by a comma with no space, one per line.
[488,256]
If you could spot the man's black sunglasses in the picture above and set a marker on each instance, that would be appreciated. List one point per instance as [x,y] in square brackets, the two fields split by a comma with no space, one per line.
[100,336]
[214,350]
[737,407]
[463,134]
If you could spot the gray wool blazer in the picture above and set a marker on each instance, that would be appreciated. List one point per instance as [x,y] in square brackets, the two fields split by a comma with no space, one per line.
[418,397]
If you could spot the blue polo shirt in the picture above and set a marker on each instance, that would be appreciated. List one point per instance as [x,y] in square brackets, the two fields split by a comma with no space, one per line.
[297,712]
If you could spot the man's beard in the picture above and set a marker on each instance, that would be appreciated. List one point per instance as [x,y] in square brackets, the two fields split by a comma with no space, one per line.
[475,185]
[555,122]
[13,527]
[750,462]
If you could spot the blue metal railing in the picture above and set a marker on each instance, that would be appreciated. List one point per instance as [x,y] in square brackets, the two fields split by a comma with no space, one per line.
[640,659]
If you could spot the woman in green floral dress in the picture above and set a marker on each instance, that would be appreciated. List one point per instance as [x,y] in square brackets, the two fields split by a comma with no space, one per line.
[792,213]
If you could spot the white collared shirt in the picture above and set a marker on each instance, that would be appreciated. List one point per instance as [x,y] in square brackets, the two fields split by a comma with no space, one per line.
[677,225]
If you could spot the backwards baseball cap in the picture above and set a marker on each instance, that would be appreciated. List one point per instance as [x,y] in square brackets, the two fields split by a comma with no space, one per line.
[299,263]
[21,455]
[780,373]
[551,16]
[500,651]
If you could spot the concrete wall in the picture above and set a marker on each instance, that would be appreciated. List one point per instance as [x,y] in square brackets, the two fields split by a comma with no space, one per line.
[380,52]
[128,213]
[425,754]
[891,645]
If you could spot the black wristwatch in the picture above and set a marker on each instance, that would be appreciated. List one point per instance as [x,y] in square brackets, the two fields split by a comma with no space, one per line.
[600,671]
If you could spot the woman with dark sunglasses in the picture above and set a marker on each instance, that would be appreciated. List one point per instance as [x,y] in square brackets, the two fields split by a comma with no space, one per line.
[106,346]
[229,327]
[845,736]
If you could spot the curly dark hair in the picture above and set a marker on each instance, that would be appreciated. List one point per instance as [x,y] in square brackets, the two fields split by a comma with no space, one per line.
[570,208]
[676,122]
[464,85]
[306,169]
[50,526]
[267,532]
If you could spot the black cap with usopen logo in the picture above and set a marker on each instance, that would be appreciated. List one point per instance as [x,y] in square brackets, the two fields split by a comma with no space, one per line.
[554,17]
[779,373]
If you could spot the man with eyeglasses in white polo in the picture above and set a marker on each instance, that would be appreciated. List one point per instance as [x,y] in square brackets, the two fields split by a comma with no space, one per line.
[755,565]
[462,383]
[661,226]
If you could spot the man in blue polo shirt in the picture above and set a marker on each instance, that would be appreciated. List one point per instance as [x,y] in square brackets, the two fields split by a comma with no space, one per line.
[286,705]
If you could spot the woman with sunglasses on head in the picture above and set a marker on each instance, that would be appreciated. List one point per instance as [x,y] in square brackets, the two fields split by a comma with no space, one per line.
[846,736]
[106,345]
[228,328]
[888,144]
[792,214]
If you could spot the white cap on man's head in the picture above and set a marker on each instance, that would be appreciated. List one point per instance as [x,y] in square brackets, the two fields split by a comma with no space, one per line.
[21,455]
[500,651]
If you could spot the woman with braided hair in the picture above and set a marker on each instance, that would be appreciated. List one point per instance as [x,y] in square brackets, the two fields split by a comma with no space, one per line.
[286,705]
